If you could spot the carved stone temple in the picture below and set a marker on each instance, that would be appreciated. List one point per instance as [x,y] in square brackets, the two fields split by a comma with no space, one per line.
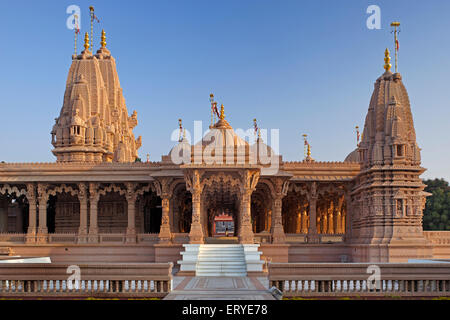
[96,204]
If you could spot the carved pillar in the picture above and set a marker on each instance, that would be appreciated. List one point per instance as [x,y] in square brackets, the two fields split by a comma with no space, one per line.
[330,221]
[347,224]
[278,235]
[245,232]
[165,236]
[304,222]
[93,211]
[249,179]
[196,233]
[131,202]
[31,197]
[163,190]
[313,237]
[83,199]
[194,186]
[42,235]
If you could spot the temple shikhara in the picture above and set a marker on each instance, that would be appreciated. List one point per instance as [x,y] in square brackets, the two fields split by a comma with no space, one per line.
[96,203]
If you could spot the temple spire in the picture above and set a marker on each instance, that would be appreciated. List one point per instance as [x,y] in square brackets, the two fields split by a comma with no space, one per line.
[387,60]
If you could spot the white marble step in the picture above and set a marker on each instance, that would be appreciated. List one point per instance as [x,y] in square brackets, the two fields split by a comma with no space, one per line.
[221,260]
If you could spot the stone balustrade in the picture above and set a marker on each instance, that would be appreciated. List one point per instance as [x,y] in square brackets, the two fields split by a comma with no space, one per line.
[358,279]
[67,238]
[96,280]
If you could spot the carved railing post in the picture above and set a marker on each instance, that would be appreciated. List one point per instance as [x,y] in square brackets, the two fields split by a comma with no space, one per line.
[31,197]
[131,197]
[42,196]
[83,199]
[194,186]
[281,188]
[313,237]
[93,211]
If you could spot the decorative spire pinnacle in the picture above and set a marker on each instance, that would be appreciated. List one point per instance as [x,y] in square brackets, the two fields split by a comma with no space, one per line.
[222,112]
[86,41]
[103,42]
[387,60]
[357,135]
[213,114]
[307,149]
[180,134]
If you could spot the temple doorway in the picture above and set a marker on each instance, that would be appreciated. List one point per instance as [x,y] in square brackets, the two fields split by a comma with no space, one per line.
[223,226]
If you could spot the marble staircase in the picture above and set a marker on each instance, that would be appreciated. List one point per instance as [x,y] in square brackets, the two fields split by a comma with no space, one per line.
[219,260]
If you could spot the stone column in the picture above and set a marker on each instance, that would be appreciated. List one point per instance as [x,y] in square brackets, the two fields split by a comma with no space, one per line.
[278,235]
[313,237]
[93,211]
[131,201]
[83,199]
[165,236]
[245,232]
[31,197]
[347,224]
[196,233]
[42,235]
[193,185]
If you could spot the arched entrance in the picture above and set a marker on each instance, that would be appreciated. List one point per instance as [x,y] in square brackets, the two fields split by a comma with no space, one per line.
[220,198]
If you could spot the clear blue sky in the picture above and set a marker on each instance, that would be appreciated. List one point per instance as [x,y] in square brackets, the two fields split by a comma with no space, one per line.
[301,66]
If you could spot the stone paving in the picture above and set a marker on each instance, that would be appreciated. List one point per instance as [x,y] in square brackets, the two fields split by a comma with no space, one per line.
[220,288]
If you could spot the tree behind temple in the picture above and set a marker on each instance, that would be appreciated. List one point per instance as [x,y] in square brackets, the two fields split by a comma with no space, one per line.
[436,215]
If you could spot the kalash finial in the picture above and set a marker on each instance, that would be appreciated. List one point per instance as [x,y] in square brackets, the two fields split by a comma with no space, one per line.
[222,112]
[103,42]
[387,60]
[86,41]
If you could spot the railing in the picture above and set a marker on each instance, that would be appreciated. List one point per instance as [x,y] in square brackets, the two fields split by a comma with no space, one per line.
[180,237]
[148,237]
[263,237]
[95,280]
[296,238]
[62,237]
[331,238]
[108,238]
[359,279]
[12,237]
[437,237]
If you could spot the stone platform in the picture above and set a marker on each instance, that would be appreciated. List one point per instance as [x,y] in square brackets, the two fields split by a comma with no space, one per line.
[220,288]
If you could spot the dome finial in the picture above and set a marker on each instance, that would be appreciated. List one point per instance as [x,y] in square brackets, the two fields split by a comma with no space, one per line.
[387,60]
[103,42]
[222,112]
[86,41]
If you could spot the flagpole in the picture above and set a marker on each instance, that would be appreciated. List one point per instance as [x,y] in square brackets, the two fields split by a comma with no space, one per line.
[76,34]
[91,11]
[395,24]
